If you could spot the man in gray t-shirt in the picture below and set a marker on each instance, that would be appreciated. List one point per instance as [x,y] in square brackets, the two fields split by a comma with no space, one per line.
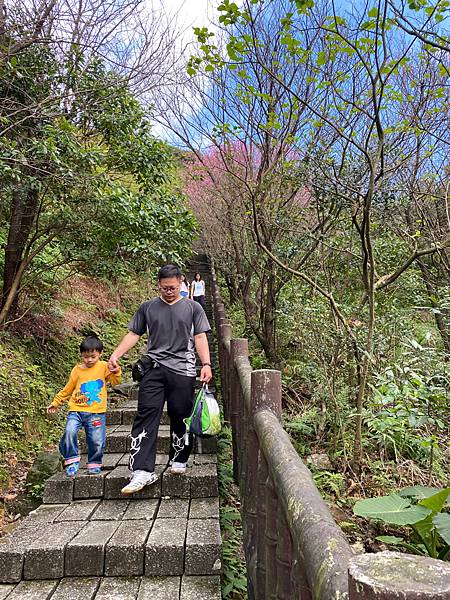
[176,328]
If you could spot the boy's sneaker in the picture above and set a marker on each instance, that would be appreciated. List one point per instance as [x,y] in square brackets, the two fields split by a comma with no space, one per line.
[72,469]
[178,468]
[94,470]
[139,480]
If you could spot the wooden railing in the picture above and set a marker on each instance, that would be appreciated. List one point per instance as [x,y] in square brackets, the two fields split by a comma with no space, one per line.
[294,550]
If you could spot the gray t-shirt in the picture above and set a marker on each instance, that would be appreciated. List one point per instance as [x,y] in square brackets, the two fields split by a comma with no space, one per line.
[171,329]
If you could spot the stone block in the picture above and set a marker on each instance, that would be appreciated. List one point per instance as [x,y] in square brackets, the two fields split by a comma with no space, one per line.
[173,508]
[204,508]
[33,590]
[46,513]
[76,588]
[114,416]
[119,477]
[58,489]
[81,510]
[176,485]
[164,553]
[162,459]
[141,509]
[86,485]
[204,481]
[85,554]
[123,462]
[163,441]
[204,459]
[117,442]
[110,461]
[11,561]
[133,395]
[5,589]
[110,510]
[159,588]
[206,445]
[124,429]
[128,415]
[200,588]
[119,588]
[203,547]
[125,550]
[44,556]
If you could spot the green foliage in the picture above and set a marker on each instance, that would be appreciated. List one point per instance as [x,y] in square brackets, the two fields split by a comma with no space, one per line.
[98,189]
[234,580]
[420,508]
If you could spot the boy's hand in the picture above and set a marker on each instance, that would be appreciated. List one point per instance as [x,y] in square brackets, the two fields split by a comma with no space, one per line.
[113,365]
[51,410]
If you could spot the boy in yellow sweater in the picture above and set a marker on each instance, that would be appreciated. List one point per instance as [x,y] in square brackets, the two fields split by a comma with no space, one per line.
[86,393]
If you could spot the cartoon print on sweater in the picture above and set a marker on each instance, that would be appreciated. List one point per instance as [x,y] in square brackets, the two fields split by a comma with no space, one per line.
[91,389]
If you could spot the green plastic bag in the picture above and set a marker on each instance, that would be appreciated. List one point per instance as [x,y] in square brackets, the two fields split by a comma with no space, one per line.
[204,420]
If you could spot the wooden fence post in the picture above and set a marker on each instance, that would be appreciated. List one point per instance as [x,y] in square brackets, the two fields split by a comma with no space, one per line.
[238,348]
[224,330]
[265,395]
[285,584]
[396,576]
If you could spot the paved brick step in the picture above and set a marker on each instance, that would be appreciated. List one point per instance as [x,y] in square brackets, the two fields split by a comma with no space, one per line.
[200,481]
[116,588]
[116,538]
[124,414]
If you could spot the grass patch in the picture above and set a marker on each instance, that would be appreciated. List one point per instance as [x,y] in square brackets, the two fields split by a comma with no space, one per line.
[234,573]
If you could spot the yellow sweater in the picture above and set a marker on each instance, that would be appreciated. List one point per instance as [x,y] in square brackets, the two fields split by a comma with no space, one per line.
[86,388]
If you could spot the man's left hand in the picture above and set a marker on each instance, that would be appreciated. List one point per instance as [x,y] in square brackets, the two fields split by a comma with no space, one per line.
[206,374]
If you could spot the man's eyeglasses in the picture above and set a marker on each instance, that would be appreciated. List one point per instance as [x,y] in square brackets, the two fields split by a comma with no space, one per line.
[170,288]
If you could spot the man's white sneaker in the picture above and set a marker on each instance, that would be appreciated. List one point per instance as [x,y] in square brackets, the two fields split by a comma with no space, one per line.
[139,480]
[178,468]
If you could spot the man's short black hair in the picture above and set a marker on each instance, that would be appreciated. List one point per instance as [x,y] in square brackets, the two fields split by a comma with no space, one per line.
[169,271]
[91,342]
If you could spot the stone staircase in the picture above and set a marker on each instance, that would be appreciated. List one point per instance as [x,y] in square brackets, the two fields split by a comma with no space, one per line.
[86,541]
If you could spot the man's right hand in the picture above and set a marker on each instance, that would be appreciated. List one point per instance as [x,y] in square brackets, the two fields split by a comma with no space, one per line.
[51,410]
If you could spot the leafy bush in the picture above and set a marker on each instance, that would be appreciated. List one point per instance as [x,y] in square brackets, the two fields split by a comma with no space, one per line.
[420,508]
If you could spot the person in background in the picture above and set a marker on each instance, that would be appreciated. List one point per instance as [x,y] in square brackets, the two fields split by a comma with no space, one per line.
[86,393]
[198,290]
[184,287]
[176,327]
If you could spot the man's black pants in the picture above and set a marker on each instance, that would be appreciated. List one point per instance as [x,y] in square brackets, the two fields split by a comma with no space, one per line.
[159,385]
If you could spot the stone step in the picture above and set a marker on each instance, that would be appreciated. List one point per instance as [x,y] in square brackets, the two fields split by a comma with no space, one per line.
[200,481]
[115,538]
[125,413]
[188,587]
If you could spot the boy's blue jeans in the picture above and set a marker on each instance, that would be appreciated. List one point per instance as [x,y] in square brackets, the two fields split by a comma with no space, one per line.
[95,427]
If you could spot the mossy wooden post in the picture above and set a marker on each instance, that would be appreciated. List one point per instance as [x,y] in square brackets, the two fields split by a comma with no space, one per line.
[224,330]
[271,541]
[238,348]
[396,576]
[262,475]
[265,395]
[285,589]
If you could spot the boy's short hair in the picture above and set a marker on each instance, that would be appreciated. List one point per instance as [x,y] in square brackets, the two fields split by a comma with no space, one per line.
[91,342]
[169,271]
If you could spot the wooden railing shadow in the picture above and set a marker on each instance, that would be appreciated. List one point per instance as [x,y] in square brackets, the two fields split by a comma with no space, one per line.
[294,550]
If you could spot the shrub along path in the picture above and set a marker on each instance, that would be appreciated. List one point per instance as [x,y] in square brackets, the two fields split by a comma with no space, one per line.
[87,542]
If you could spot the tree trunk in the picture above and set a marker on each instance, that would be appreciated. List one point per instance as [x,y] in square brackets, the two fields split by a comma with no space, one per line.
[23,214]
[433,295]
